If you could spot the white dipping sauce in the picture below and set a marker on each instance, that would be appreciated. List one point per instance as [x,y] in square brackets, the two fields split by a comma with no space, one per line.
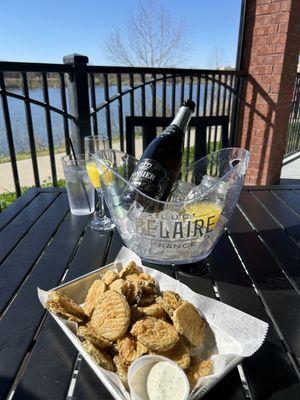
[139,380]
[166,382]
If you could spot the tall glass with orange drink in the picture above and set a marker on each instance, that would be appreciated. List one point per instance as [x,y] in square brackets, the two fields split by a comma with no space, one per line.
[92,144]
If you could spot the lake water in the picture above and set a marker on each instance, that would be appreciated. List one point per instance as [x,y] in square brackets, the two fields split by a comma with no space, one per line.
[18,118]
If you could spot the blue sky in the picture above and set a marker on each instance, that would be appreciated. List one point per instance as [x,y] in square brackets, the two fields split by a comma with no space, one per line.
[46,30]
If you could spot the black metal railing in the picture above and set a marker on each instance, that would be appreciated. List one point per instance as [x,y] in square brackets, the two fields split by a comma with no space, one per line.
[159,92]
[293,133]
[16,83]
[75,99]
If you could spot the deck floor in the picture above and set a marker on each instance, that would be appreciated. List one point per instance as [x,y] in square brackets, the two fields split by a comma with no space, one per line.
[290,173]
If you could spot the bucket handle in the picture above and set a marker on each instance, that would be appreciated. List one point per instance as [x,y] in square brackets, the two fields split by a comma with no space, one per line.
[239,164]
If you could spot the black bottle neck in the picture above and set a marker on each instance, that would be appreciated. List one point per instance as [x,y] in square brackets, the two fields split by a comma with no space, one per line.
[182,118]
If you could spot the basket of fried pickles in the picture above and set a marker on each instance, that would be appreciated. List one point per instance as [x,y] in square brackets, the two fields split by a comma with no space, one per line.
[124,315]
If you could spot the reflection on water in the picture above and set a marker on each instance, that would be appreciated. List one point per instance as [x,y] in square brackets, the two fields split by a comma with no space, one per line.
[18,118]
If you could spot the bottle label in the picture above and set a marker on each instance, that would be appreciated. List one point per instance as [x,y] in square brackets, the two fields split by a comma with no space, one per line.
[171,129]
[150,177]
[178,235]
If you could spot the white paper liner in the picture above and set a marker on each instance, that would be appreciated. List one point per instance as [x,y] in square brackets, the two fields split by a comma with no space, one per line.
[236,334]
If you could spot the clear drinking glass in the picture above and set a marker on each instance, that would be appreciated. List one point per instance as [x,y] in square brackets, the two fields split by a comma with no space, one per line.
[92,144]
[80,191]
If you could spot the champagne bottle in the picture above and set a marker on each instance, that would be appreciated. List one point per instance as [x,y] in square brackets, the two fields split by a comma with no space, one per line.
[160,164]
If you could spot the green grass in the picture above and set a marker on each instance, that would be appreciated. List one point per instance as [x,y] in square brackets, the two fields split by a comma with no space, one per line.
[9,197]
[26,155]
[6,199]
[191,154]
[45,152]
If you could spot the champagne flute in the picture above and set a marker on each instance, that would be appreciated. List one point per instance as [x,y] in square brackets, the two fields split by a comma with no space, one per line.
[92,144]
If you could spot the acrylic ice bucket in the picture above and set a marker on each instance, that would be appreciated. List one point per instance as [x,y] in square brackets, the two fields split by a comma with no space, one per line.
[185,228]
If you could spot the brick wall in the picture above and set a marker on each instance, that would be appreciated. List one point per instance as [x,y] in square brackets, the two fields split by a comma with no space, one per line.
[270,54]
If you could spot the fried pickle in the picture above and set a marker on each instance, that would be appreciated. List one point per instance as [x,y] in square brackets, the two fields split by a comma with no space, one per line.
[155,334]
[88,333]
[109,277]
[100,356]
[95,292]
[111,316]
[120,286]
[197,369]
[65,307]
[128,269]
[154,310]
[179,354]
[130,349]
[189,323]
[169,301]
[147,300]
[122,370]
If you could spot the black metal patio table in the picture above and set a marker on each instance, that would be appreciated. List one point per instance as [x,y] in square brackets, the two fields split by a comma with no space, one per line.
[255,267]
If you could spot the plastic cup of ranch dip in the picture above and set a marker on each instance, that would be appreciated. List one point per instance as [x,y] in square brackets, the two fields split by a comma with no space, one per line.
[157,378]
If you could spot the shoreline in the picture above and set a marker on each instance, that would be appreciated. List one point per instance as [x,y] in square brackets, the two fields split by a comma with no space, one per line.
[25,168]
